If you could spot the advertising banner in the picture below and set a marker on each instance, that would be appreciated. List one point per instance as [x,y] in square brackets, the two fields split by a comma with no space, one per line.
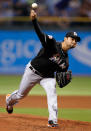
[17,48]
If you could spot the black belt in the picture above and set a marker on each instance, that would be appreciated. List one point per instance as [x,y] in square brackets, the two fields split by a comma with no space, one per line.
[35,71]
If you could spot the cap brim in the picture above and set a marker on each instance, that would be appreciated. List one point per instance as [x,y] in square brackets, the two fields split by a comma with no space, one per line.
[77,38]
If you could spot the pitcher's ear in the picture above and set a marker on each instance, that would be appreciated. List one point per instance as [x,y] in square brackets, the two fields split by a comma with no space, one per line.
[65,38]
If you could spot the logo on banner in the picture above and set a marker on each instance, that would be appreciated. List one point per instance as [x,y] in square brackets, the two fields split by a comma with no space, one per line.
[11,50]
[82,52]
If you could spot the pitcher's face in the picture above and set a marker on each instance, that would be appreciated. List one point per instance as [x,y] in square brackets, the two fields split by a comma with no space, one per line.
[70,42]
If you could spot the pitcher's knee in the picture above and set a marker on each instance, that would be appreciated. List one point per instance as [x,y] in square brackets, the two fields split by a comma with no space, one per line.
[20,96]
[52,91]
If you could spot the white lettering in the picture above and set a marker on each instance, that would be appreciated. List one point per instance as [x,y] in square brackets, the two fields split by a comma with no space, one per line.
[19,49]
[11,50]
[7,52]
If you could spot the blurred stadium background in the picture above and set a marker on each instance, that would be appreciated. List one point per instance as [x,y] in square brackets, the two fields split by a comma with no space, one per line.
[19,43]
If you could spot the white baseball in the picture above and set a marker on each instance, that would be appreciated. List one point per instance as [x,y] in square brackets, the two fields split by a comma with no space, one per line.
[34,5]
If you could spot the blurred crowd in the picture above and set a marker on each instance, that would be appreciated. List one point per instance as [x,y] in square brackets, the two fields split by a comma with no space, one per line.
[11,8]
[61,8]
[46,7]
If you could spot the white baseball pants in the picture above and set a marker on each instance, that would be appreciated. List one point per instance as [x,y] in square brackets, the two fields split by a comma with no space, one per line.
[29,80]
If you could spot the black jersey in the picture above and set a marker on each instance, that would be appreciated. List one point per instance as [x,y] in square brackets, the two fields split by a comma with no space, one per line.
[51,57]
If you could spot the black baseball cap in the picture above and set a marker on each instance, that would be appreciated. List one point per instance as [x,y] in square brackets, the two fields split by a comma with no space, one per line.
[73,35]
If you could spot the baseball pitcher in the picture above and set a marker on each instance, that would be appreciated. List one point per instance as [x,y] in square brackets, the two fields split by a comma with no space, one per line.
[52,57]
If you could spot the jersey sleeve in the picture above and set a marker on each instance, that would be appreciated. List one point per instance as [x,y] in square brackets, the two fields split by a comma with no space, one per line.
[46,40]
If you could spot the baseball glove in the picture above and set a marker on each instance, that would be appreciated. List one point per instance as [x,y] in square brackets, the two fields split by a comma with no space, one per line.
[63,78]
